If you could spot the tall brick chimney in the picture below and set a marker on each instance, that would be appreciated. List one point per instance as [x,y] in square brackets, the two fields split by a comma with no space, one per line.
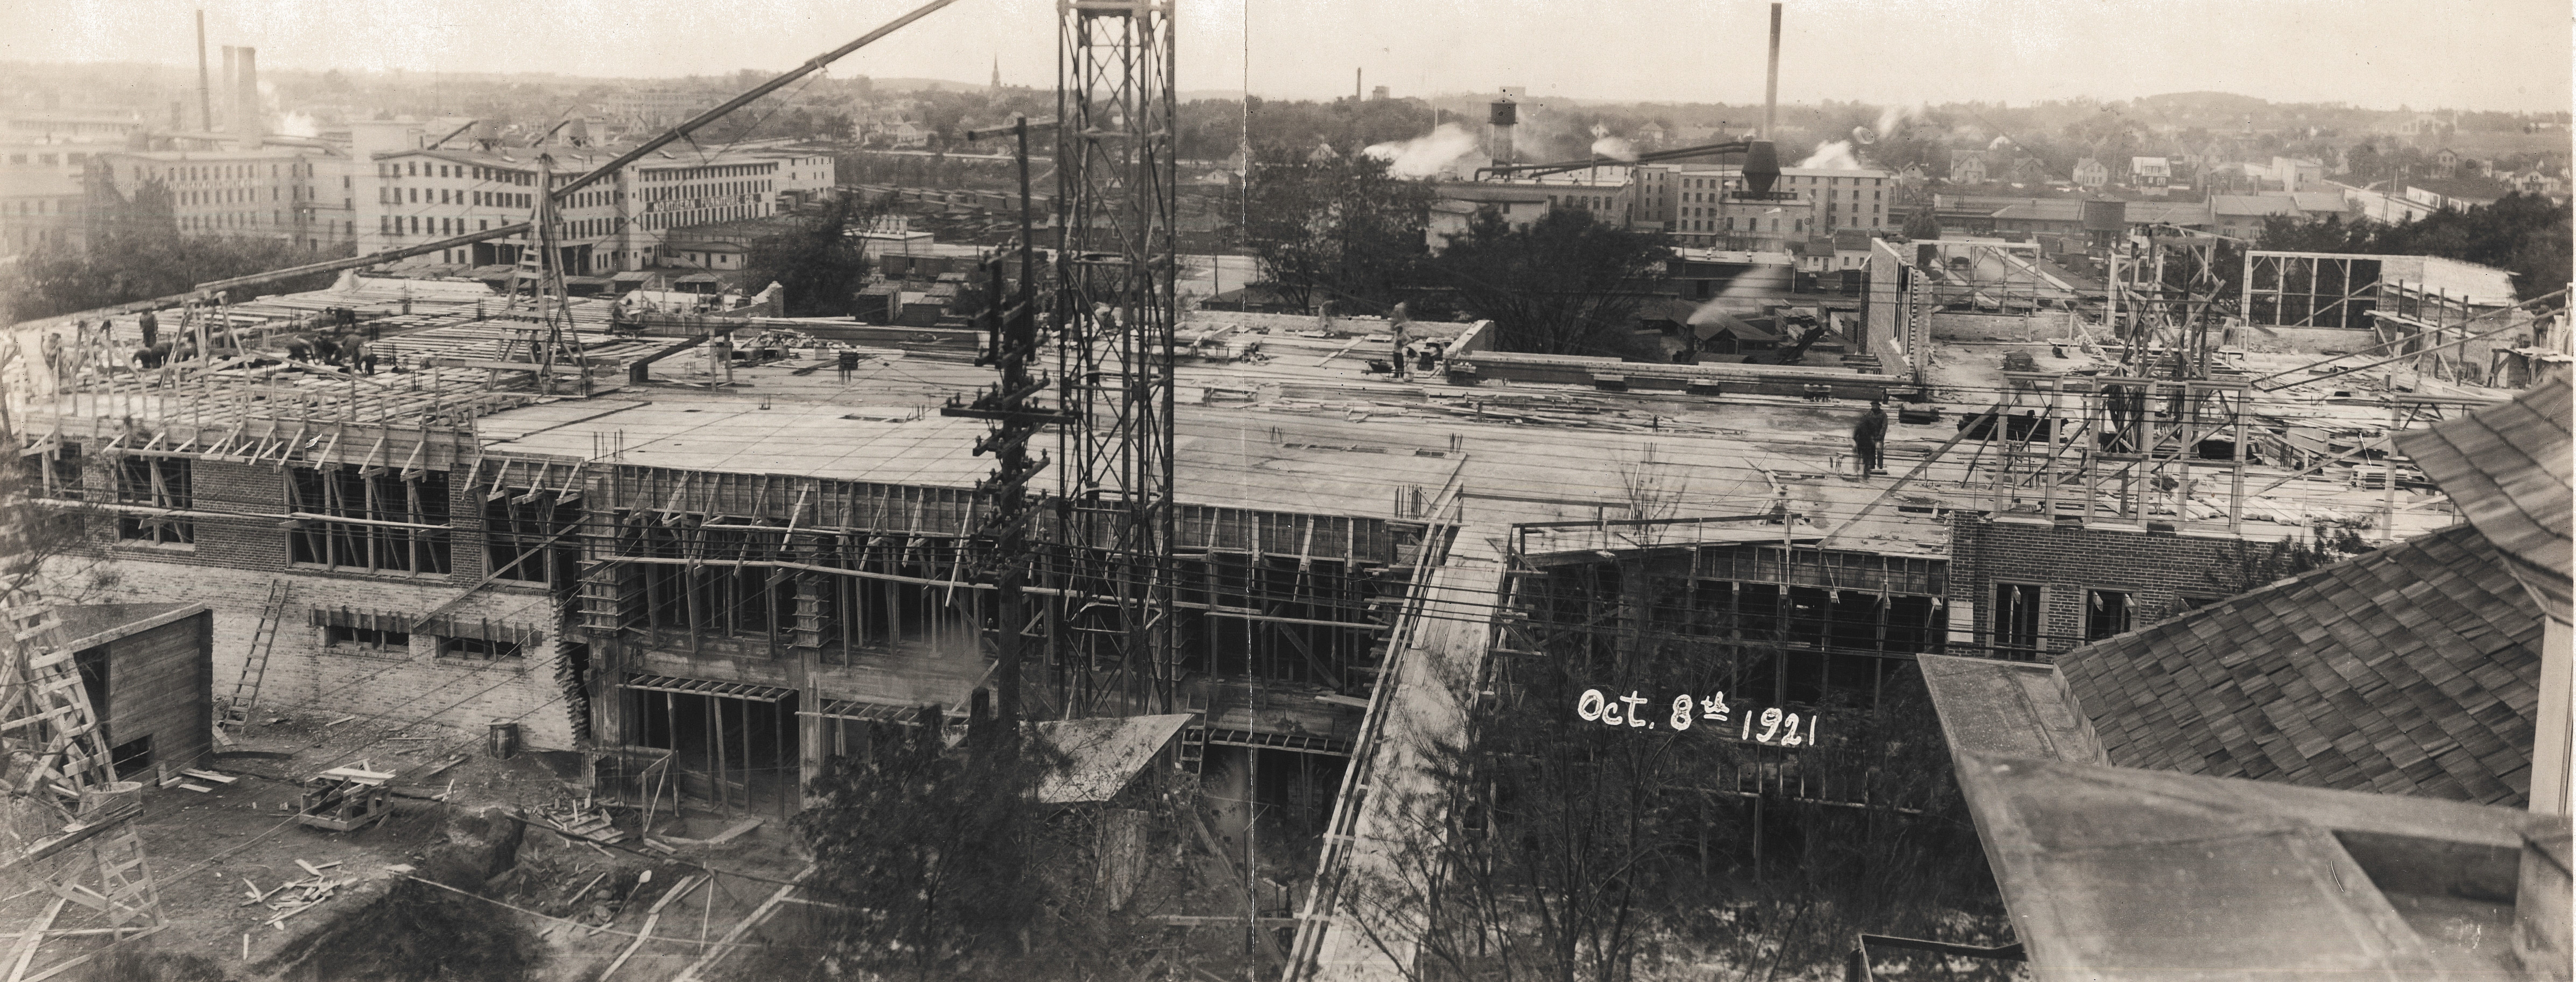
[248,121]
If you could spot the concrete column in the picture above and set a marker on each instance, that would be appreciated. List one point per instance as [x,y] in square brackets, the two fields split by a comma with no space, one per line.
[803,664]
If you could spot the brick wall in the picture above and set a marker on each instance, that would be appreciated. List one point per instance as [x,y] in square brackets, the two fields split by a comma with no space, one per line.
[400,687]
[2154,568]
[257,492]
[229,568]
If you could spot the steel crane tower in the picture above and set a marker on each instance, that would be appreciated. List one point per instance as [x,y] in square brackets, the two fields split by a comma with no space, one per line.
[1115,312]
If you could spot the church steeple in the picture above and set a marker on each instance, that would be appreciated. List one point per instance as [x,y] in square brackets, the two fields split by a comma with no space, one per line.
[997,73]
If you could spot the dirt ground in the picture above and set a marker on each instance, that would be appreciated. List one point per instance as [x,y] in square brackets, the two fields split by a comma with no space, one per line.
[203,846]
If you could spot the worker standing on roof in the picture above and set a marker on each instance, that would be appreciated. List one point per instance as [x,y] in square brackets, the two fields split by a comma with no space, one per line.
[151,328]
[1867,438]
[1397,321]
[849,362]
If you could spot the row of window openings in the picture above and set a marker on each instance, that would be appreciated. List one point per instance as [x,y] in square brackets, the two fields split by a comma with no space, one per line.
[414,168]
[2020,611]
[240,172]
[1830,195]
[448,647]
[234,196]
[1713,182]
[444,196]
[579,228]
[514,534]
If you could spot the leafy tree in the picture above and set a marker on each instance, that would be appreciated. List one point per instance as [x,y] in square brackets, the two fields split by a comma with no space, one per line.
[1922,225]
[935,846]
[1560,849]
[815,257]
[1340,229]
[2250,567]
[2526,235]
[121,267]
[1564,284]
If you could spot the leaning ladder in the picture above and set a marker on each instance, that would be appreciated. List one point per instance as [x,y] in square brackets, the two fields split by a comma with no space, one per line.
[48,724]
[272,617]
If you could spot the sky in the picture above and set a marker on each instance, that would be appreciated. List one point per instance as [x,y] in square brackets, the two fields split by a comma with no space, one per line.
[2487,54]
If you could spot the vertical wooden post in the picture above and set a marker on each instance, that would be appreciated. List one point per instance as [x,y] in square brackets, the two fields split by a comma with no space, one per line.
[716,751]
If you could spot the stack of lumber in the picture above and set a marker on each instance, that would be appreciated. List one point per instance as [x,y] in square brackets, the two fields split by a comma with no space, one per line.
[295,897]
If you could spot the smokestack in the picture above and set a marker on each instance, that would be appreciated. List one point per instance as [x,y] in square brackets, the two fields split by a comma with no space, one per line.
[1503,117]
[248,120]
[205,98]
[1771,83]
[231,91]
[1356,75]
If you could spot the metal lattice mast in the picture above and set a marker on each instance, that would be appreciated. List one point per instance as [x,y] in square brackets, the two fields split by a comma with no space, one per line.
[1116,200]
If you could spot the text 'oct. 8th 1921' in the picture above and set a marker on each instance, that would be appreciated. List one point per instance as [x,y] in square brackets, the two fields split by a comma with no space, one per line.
[1773,726]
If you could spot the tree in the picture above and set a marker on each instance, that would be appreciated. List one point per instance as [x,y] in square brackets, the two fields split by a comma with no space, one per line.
[122,267]
[2249,567]
[1554,847]
[1340,229]
[1564,284]
[2526,235]
[935,845]
[1922,225]
[816,257]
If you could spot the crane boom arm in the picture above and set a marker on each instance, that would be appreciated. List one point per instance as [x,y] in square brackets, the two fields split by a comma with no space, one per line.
[593,177]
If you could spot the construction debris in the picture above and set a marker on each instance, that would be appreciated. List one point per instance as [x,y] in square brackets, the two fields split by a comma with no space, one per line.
[290,899]
[580,819]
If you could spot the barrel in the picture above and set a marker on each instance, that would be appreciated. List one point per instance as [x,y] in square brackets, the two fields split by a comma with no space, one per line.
[504,738]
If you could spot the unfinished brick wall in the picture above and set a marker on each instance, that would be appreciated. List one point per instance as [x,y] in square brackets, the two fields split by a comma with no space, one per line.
[232,562]
[2156,569]
[414,685]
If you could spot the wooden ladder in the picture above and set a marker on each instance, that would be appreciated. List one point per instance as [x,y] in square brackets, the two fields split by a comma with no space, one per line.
[51,718]
[47,720]
[272,618]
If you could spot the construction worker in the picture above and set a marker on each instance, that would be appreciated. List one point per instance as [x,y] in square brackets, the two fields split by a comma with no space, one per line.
[1868,436]
[849,364]
[1397,321]
[151,329]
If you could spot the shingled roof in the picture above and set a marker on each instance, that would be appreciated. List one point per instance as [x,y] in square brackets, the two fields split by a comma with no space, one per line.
[2414,669]
[2507,469]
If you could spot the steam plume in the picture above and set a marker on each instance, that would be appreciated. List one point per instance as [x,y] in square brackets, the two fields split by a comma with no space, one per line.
[1836,155]
[1426,155]
[1615,148]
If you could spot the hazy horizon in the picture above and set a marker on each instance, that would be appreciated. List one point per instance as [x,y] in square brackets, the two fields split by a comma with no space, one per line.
[2372,55]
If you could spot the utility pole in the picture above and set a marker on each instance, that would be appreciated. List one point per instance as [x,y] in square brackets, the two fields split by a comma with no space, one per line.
[1010,323]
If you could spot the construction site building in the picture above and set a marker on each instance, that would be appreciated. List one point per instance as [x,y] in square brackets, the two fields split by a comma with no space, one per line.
[747,565]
